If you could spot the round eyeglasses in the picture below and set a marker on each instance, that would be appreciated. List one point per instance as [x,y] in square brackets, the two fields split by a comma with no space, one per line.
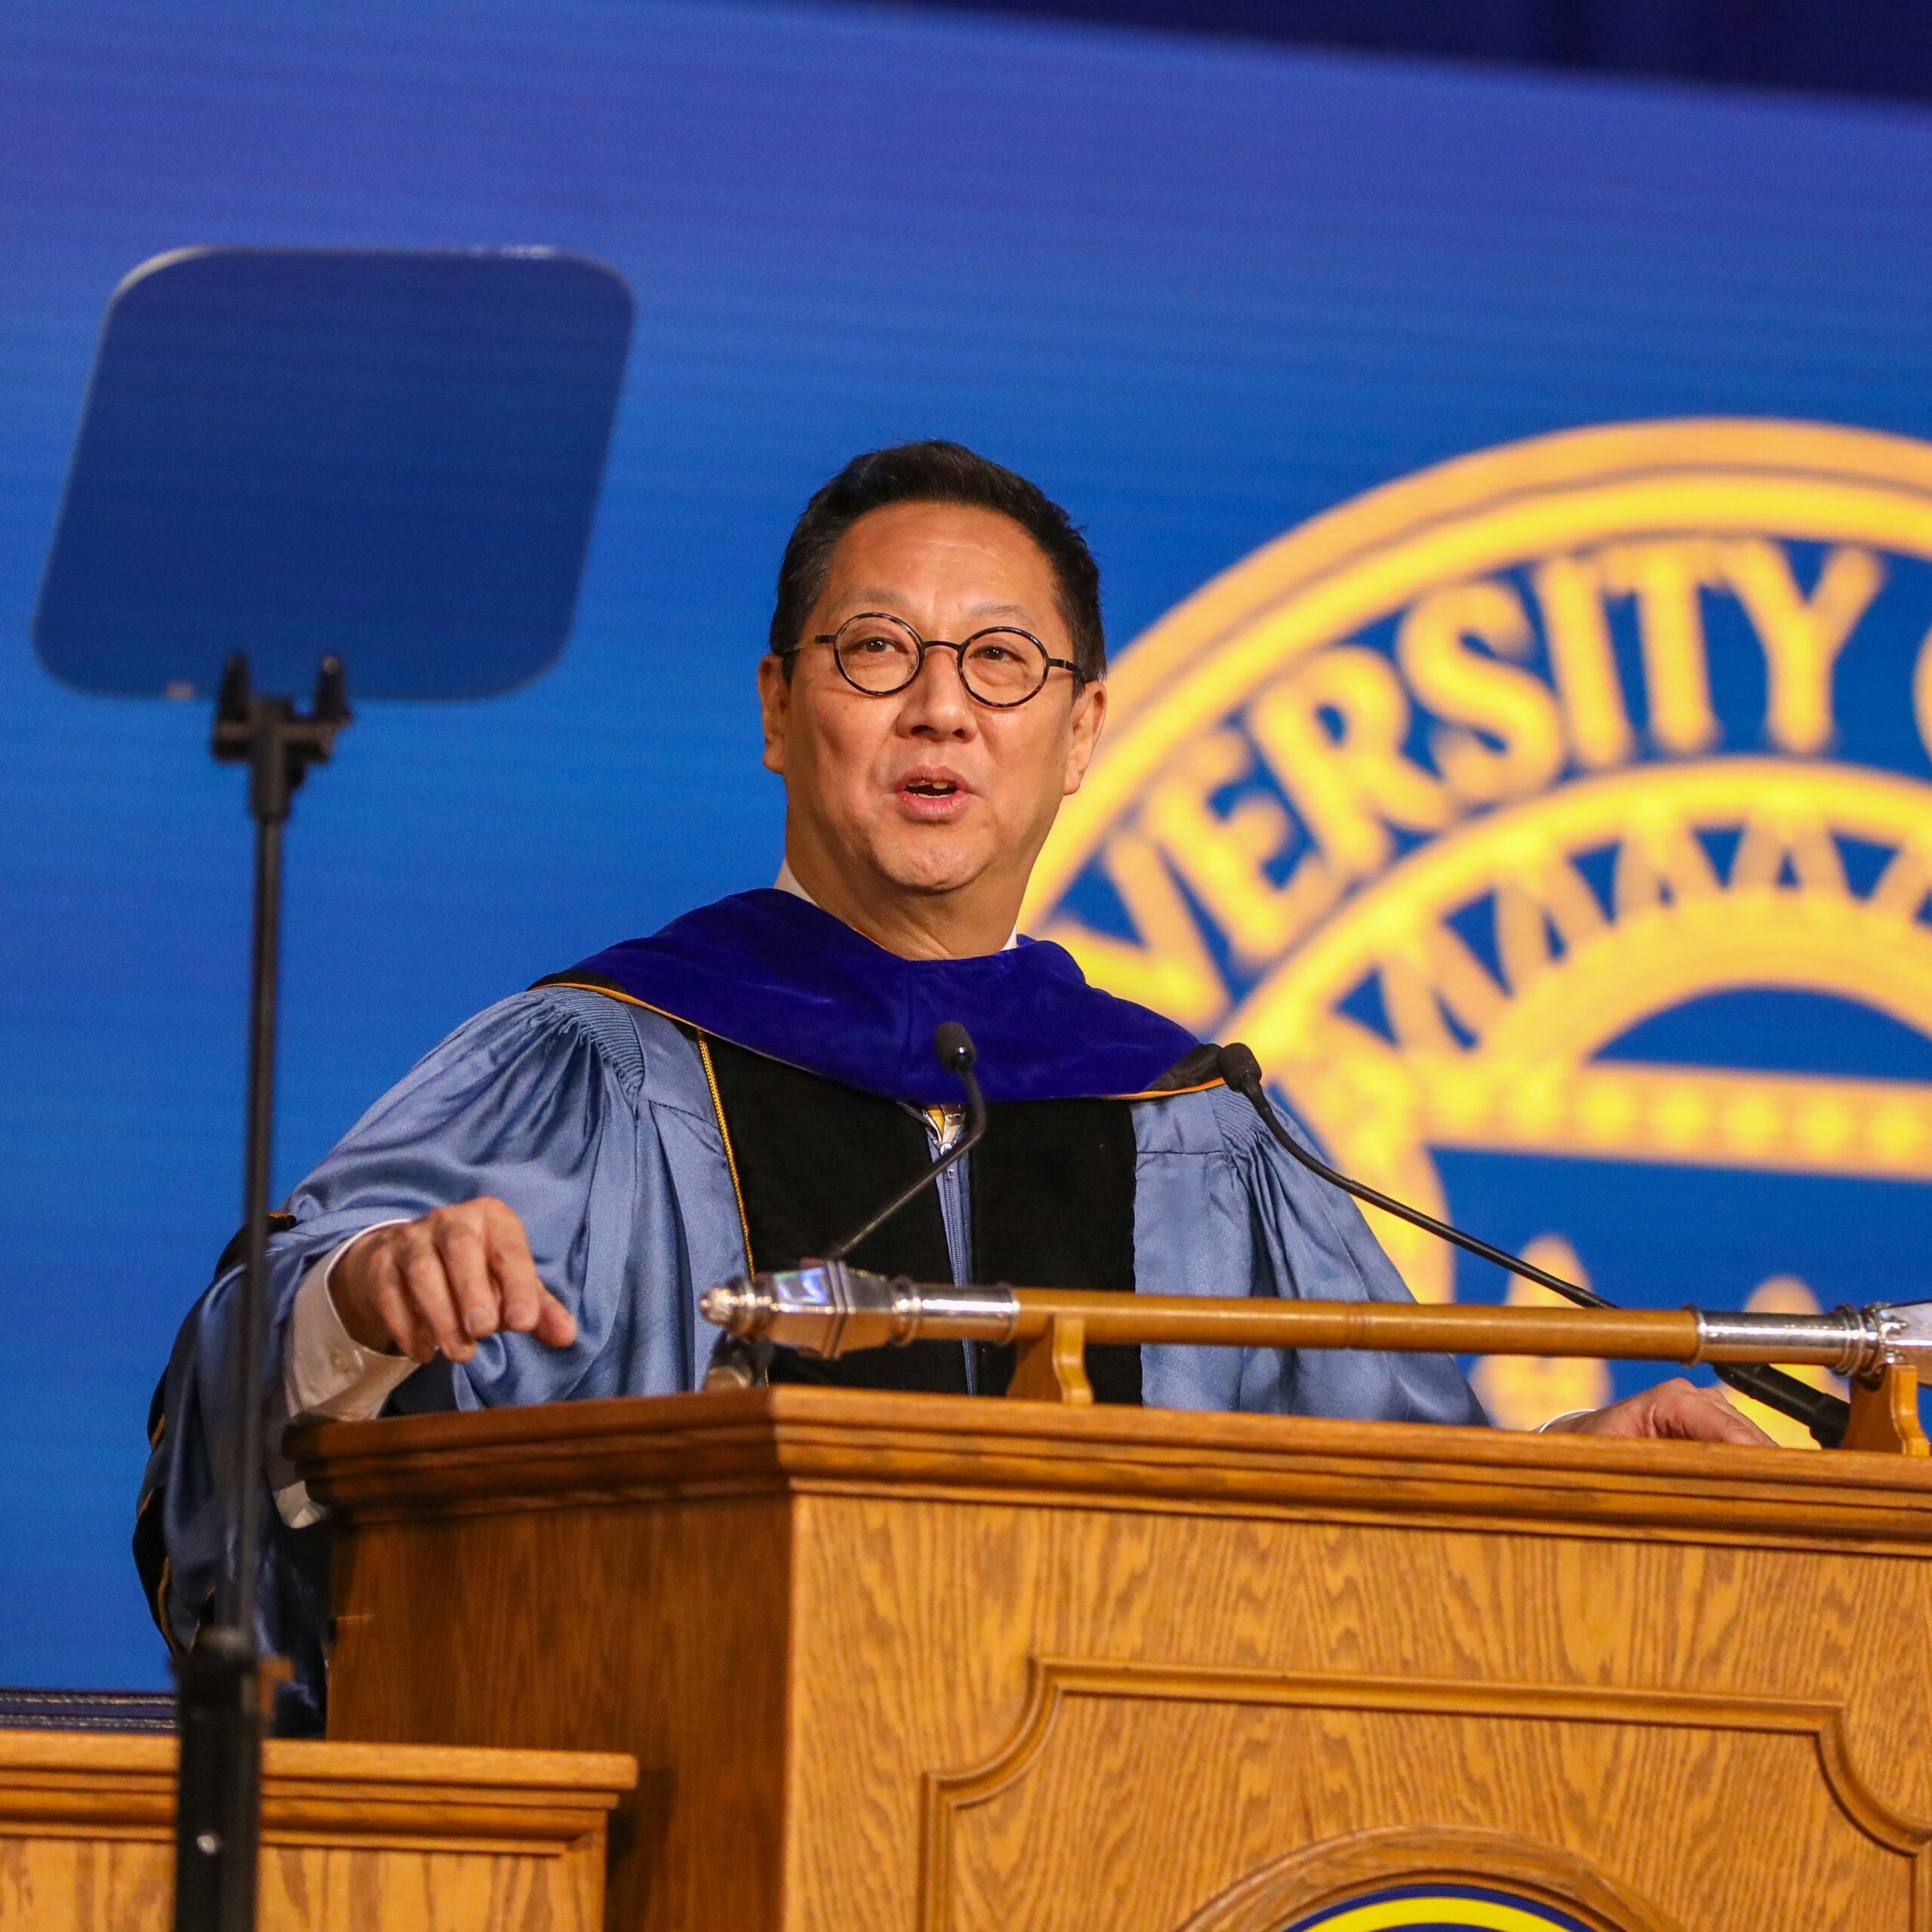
[879,654]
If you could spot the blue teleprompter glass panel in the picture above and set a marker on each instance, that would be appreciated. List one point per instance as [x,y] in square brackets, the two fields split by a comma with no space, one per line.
[391,455]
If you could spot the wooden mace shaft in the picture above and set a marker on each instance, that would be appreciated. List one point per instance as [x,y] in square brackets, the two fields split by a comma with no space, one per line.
[1618,1334]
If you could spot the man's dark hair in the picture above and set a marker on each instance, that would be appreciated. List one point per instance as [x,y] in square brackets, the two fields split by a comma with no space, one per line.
[937,472]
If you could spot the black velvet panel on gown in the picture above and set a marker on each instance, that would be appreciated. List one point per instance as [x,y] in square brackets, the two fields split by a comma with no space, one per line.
[1053,1206]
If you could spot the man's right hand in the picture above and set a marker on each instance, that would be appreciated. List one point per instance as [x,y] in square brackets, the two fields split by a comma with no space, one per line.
[442,1283]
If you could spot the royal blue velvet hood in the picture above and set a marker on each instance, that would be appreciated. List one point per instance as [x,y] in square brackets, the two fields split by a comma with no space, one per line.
[774,974]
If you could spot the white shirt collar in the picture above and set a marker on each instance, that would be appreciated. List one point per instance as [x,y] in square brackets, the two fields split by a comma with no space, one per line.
[787,881]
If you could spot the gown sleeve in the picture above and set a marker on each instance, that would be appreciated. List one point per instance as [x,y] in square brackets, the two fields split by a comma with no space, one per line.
[590,1122]
[1221,1209]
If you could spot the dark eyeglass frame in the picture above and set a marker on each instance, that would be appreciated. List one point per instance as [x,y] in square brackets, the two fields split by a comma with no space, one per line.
[926,644]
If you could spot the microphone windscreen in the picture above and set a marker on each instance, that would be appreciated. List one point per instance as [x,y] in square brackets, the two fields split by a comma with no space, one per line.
[1239,1068]
[953,1045]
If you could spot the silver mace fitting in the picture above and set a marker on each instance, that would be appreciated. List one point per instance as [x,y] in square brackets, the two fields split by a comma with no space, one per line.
[829,1308]
[1851,1341]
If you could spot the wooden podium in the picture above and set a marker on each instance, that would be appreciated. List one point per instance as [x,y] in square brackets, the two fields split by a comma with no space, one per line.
[915,1663]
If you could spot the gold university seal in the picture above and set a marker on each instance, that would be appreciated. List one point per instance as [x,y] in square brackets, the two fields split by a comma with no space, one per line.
[1441,800]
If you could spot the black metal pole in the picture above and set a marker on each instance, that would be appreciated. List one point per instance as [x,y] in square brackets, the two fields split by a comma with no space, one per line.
[219,1802]
[269,794]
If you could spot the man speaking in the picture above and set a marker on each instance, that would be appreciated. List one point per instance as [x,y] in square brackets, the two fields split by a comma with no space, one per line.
[532,1214]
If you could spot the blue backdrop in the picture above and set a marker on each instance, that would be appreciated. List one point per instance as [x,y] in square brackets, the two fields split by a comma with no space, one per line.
[1199,291]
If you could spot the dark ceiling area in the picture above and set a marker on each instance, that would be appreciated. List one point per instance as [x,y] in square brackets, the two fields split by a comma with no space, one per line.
[1876,48]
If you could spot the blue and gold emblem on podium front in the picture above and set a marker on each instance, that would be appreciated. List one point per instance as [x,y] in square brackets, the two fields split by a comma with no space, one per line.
[1431,1907]
[1556,827]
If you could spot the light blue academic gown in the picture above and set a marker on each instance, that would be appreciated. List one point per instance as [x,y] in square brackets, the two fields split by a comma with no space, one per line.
[592,1119]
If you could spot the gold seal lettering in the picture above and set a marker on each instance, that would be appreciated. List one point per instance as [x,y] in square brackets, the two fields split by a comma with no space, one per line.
[1469,688]
[1351,783]
[1802,637]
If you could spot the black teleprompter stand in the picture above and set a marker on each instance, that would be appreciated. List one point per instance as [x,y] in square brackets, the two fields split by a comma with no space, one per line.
[219,1800]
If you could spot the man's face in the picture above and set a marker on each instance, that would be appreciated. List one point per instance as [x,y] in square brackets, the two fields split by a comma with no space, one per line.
[928,790]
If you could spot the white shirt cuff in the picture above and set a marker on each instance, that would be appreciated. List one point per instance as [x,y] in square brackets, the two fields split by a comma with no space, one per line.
[326,1374]
[1543,1428]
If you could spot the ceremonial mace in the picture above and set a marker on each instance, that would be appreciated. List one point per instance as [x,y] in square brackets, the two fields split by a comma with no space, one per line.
[825,1307]
[290,459]
[831,1308]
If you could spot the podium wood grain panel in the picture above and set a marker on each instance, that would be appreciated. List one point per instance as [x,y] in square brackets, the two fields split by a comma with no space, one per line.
[356,1838]
[922,1663]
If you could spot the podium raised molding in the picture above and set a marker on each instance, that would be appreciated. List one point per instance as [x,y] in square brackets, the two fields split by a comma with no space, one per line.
[918,1664]
[355,1839]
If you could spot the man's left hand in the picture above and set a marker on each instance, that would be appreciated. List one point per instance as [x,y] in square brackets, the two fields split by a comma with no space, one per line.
[1676,1408]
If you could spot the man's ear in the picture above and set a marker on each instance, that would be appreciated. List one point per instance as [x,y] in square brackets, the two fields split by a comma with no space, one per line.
[1090,715]
[774,704]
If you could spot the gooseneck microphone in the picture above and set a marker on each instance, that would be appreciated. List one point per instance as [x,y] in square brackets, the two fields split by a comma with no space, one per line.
[1826,1416]
[744,1363]
[953,1046]
[1242,1071]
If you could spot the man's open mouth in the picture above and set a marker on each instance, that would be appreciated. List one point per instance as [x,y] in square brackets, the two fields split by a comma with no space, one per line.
[931,788]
